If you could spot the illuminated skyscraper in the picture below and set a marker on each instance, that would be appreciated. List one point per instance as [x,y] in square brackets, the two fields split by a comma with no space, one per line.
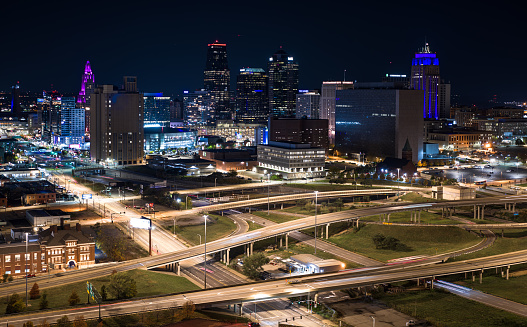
[217,79]
[117,124]
[252,101]
[198,108]
[71,122]
[425,76]
[157,110]
[283,84]
[308,104]
[328,99]
[83,100]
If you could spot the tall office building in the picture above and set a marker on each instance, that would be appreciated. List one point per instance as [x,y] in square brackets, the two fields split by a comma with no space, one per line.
[425,76]
[283,84]
[157,110]
[83,100]
[312,131]
[252,101]
[117,131]
[377,118]
[49,105]
[217,79]
[198,108]
[71,122]
[328,97]
[444,100]
[308,104]
[16,108]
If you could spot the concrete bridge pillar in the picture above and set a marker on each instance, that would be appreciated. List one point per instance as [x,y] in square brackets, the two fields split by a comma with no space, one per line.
[507,273]
[475,211]
[357,222]
[316,300]
[286,241]
[420,216]
[252,247]
[241,309]
[247,250]
[473,277]
[481,276]
[513,207]
[432,282]
[388,216]
[228,259]
[327,231]
[280,241]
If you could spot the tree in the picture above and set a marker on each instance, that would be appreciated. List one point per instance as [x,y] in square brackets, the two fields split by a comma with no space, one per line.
[43,301]
[104,294]
[187,309]
[63,322]
[34,293]
[44,323]
[79,322]
[252,265]
[74,298]
[28,324]
[519,141]
[233,173]
[14,304]
[122,286]
[4,278]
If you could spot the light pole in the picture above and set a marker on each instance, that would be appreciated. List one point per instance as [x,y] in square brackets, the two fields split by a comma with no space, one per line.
[316,202]
[398,169]
[268,186]
[372,317]
[205,256]
[25,266]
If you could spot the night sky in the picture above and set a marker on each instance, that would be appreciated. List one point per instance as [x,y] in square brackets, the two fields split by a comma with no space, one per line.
[481,49]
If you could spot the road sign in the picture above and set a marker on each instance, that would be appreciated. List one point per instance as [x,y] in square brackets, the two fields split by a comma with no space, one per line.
[90,289]
[87,196]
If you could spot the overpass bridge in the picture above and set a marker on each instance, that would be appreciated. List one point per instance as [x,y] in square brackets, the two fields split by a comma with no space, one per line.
[310,286]
[99,169]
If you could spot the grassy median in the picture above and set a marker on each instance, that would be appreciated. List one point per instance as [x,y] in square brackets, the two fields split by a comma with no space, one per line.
[444,309]
[148,283]
[419,241]
[217,227]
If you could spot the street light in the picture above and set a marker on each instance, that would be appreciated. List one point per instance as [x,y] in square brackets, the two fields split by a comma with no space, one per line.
[398,169]
[316,202]
[205,256]
[268,186]
[25,267]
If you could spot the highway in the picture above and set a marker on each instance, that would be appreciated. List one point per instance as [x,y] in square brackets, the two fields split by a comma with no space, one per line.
[256,235]
[219,276]
[301,286]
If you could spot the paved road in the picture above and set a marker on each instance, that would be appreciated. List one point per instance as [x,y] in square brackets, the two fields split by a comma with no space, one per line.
[321,244]
[487,299]
[301,286]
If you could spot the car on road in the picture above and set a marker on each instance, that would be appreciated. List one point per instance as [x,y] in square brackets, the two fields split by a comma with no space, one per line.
[508,171]
[253,324]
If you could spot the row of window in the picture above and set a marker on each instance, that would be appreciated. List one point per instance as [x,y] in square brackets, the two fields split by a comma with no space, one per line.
[7,258]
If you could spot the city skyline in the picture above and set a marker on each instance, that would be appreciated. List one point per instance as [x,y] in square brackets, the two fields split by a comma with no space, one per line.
[167,51]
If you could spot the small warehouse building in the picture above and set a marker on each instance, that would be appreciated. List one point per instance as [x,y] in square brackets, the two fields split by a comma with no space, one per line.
[453,192]
[41,218]
[310,264]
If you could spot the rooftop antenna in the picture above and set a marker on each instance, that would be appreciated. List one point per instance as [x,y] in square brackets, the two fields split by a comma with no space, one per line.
[344,75]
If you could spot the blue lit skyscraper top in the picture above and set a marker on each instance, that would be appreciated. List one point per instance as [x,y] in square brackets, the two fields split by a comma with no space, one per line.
[425,76]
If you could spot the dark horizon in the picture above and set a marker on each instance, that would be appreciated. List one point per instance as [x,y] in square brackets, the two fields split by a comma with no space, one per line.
[165,46]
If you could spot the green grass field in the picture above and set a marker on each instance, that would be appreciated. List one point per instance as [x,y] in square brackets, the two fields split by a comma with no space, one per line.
[276,217]
[426,218]
[148,283]
[512,241]
[219,227]
[445,309]
[513,289]
[414,197]
[420,240]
